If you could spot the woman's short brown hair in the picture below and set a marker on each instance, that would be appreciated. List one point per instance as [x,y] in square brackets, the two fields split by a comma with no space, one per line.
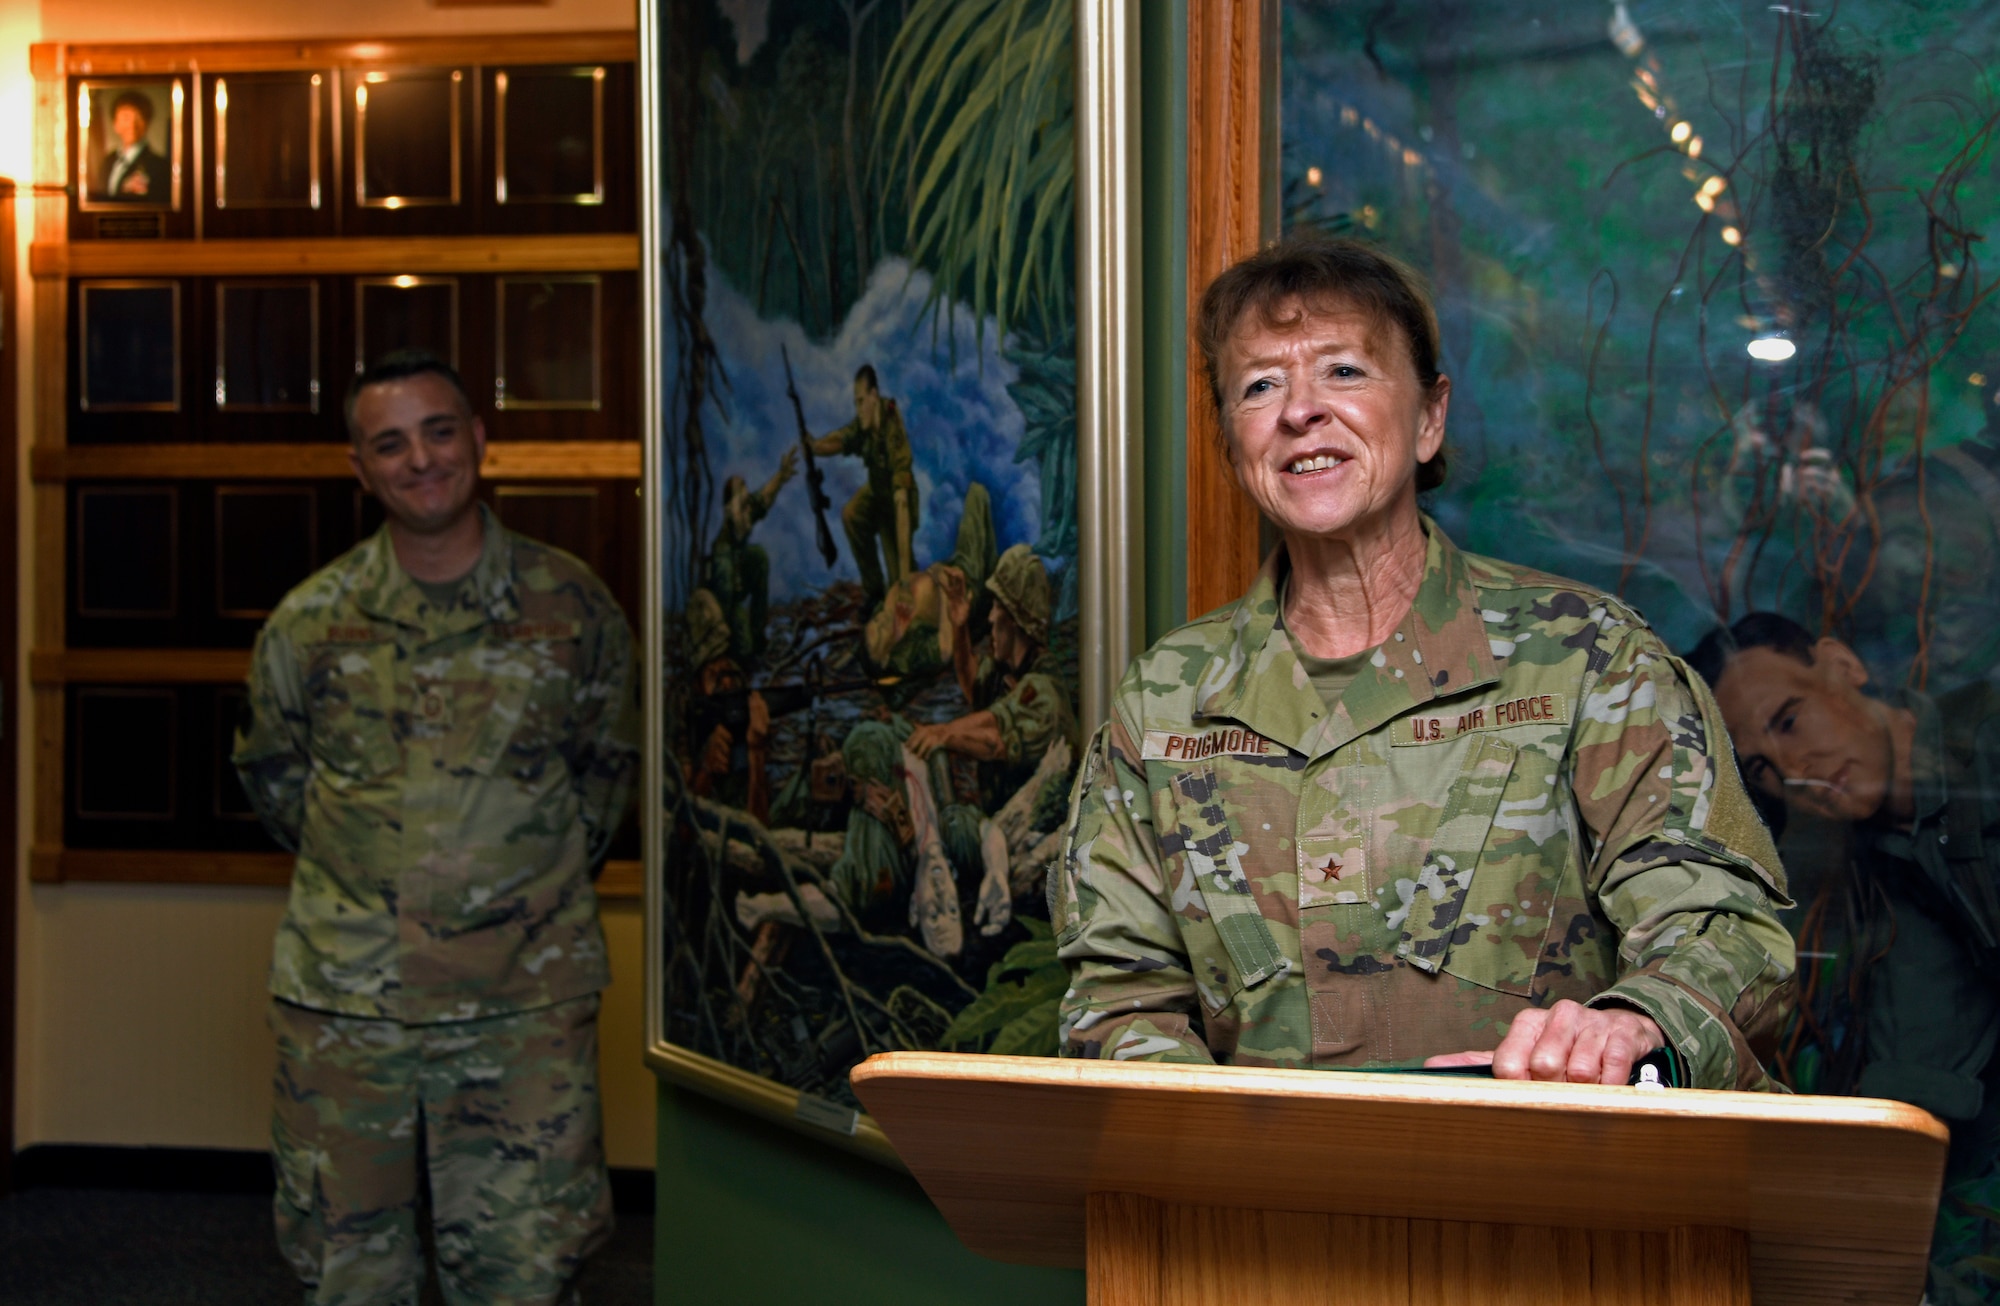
[1321,274]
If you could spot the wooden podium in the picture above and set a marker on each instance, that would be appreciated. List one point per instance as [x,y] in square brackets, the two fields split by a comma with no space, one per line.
[1190,1185]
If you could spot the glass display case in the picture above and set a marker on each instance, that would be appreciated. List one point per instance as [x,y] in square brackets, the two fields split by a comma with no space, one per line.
[548,136]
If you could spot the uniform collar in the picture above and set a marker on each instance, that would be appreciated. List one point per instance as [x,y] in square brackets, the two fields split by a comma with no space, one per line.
[1440,649]
[384,591]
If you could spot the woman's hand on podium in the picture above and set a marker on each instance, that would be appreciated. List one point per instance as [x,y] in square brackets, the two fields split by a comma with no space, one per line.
[1567,1042]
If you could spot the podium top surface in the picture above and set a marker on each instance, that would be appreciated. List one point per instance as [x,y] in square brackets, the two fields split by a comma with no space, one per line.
[1837,1194]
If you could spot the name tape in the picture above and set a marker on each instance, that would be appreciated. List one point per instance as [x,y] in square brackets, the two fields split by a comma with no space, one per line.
[1442,727]
[1223,741]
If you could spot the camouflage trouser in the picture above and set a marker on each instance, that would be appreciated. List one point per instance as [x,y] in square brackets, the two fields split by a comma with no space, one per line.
[503,1116]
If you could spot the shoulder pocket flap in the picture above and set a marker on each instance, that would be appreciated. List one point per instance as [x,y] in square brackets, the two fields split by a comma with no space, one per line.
[350,690]
[1215,863]
[1446,877]
[1724,821]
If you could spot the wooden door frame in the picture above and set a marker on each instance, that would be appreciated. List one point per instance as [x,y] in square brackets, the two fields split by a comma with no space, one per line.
[1232,148]
[10,697]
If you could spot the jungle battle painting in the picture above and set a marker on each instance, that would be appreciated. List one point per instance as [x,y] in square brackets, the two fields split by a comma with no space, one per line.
[1717,298]
[869,542]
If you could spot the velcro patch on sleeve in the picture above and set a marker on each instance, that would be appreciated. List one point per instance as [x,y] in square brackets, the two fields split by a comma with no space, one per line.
[1222,741]
[1442,727]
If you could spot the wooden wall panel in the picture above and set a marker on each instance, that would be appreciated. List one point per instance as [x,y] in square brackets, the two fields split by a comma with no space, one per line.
[190,658]
[1229,43]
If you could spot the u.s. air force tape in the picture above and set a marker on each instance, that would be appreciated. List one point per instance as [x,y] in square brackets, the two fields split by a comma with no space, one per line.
[1221,741]
[1440,727]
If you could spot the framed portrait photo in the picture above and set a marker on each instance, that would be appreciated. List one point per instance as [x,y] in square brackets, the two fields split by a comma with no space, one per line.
[129,143]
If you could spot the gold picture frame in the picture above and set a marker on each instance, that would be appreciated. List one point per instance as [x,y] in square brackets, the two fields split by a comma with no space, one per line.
[314,382]
[502,192]
[362,93]
[503,400]
[406,281]
[171,494]
[108,110]
[310,516]
[84,290]
[316,87]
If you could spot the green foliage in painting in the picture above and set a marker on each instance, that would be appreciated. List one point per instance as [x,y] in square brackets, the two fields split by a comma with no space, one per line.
[1018,1009]
[982,133]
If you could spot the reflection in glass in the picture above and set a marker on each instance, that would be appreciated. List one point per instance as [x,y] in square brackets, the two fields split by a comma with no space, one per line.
[548,343]
[550,136]
[1714,298]
[127,551]
[264,538]
[562,515]
[1709,289]
[406,139]
[131,336]
[267,346]
[405,313]
[267,142]
[125,745]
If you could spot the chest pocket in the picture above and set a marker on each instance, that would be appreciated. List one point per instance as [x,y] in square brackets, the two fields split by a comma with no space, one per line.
[1212,877]
[531,687]
[350,690]
[1478,912]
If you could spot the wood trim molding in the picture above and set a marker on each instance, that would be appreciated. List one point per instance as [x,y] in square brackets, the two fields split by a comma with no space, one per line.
[56,865]
[613,252]
[138,666]
[1229,42]
[555,460]
[50,60]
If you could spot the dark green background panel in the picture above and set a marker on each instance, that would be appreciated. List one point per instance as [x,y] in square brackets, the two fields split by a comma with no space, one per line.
[753,1214]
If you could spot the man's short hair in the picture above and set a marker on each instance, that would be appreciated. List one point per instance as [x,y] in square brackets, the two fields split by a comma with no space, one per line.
[398,365]
[866,372]
[1768,630]
[1321,274]
[138,101]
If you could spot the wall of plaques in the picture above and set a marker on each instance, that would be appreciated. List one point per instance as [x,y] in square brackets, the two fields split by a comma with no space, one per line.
[435,149]
[263,358]
[181,333]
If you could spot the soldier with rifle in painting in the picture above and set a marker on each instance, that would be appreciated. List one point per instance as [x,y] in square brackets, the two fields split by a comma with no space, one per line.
[815,478]
[881,518]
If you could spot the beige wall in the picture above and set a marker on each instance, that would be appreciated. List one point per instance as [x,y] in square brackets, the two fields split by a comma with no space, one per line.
[141,1008]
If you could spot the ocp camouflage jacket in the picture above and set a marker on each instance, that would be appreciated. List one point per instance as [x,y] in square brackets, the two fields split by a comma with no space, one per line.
[1523,798]
[448,778]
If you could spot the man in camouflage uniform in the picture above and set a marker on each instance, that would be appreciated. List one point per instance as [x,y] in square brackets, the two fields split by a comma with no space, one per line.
[442,723]
[1907,1002]
[881,518]
[1520,798]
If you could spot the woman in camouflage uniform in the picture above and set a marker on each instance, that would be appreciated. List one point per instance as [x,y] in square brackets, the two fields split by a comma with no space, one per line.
[1401,805]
